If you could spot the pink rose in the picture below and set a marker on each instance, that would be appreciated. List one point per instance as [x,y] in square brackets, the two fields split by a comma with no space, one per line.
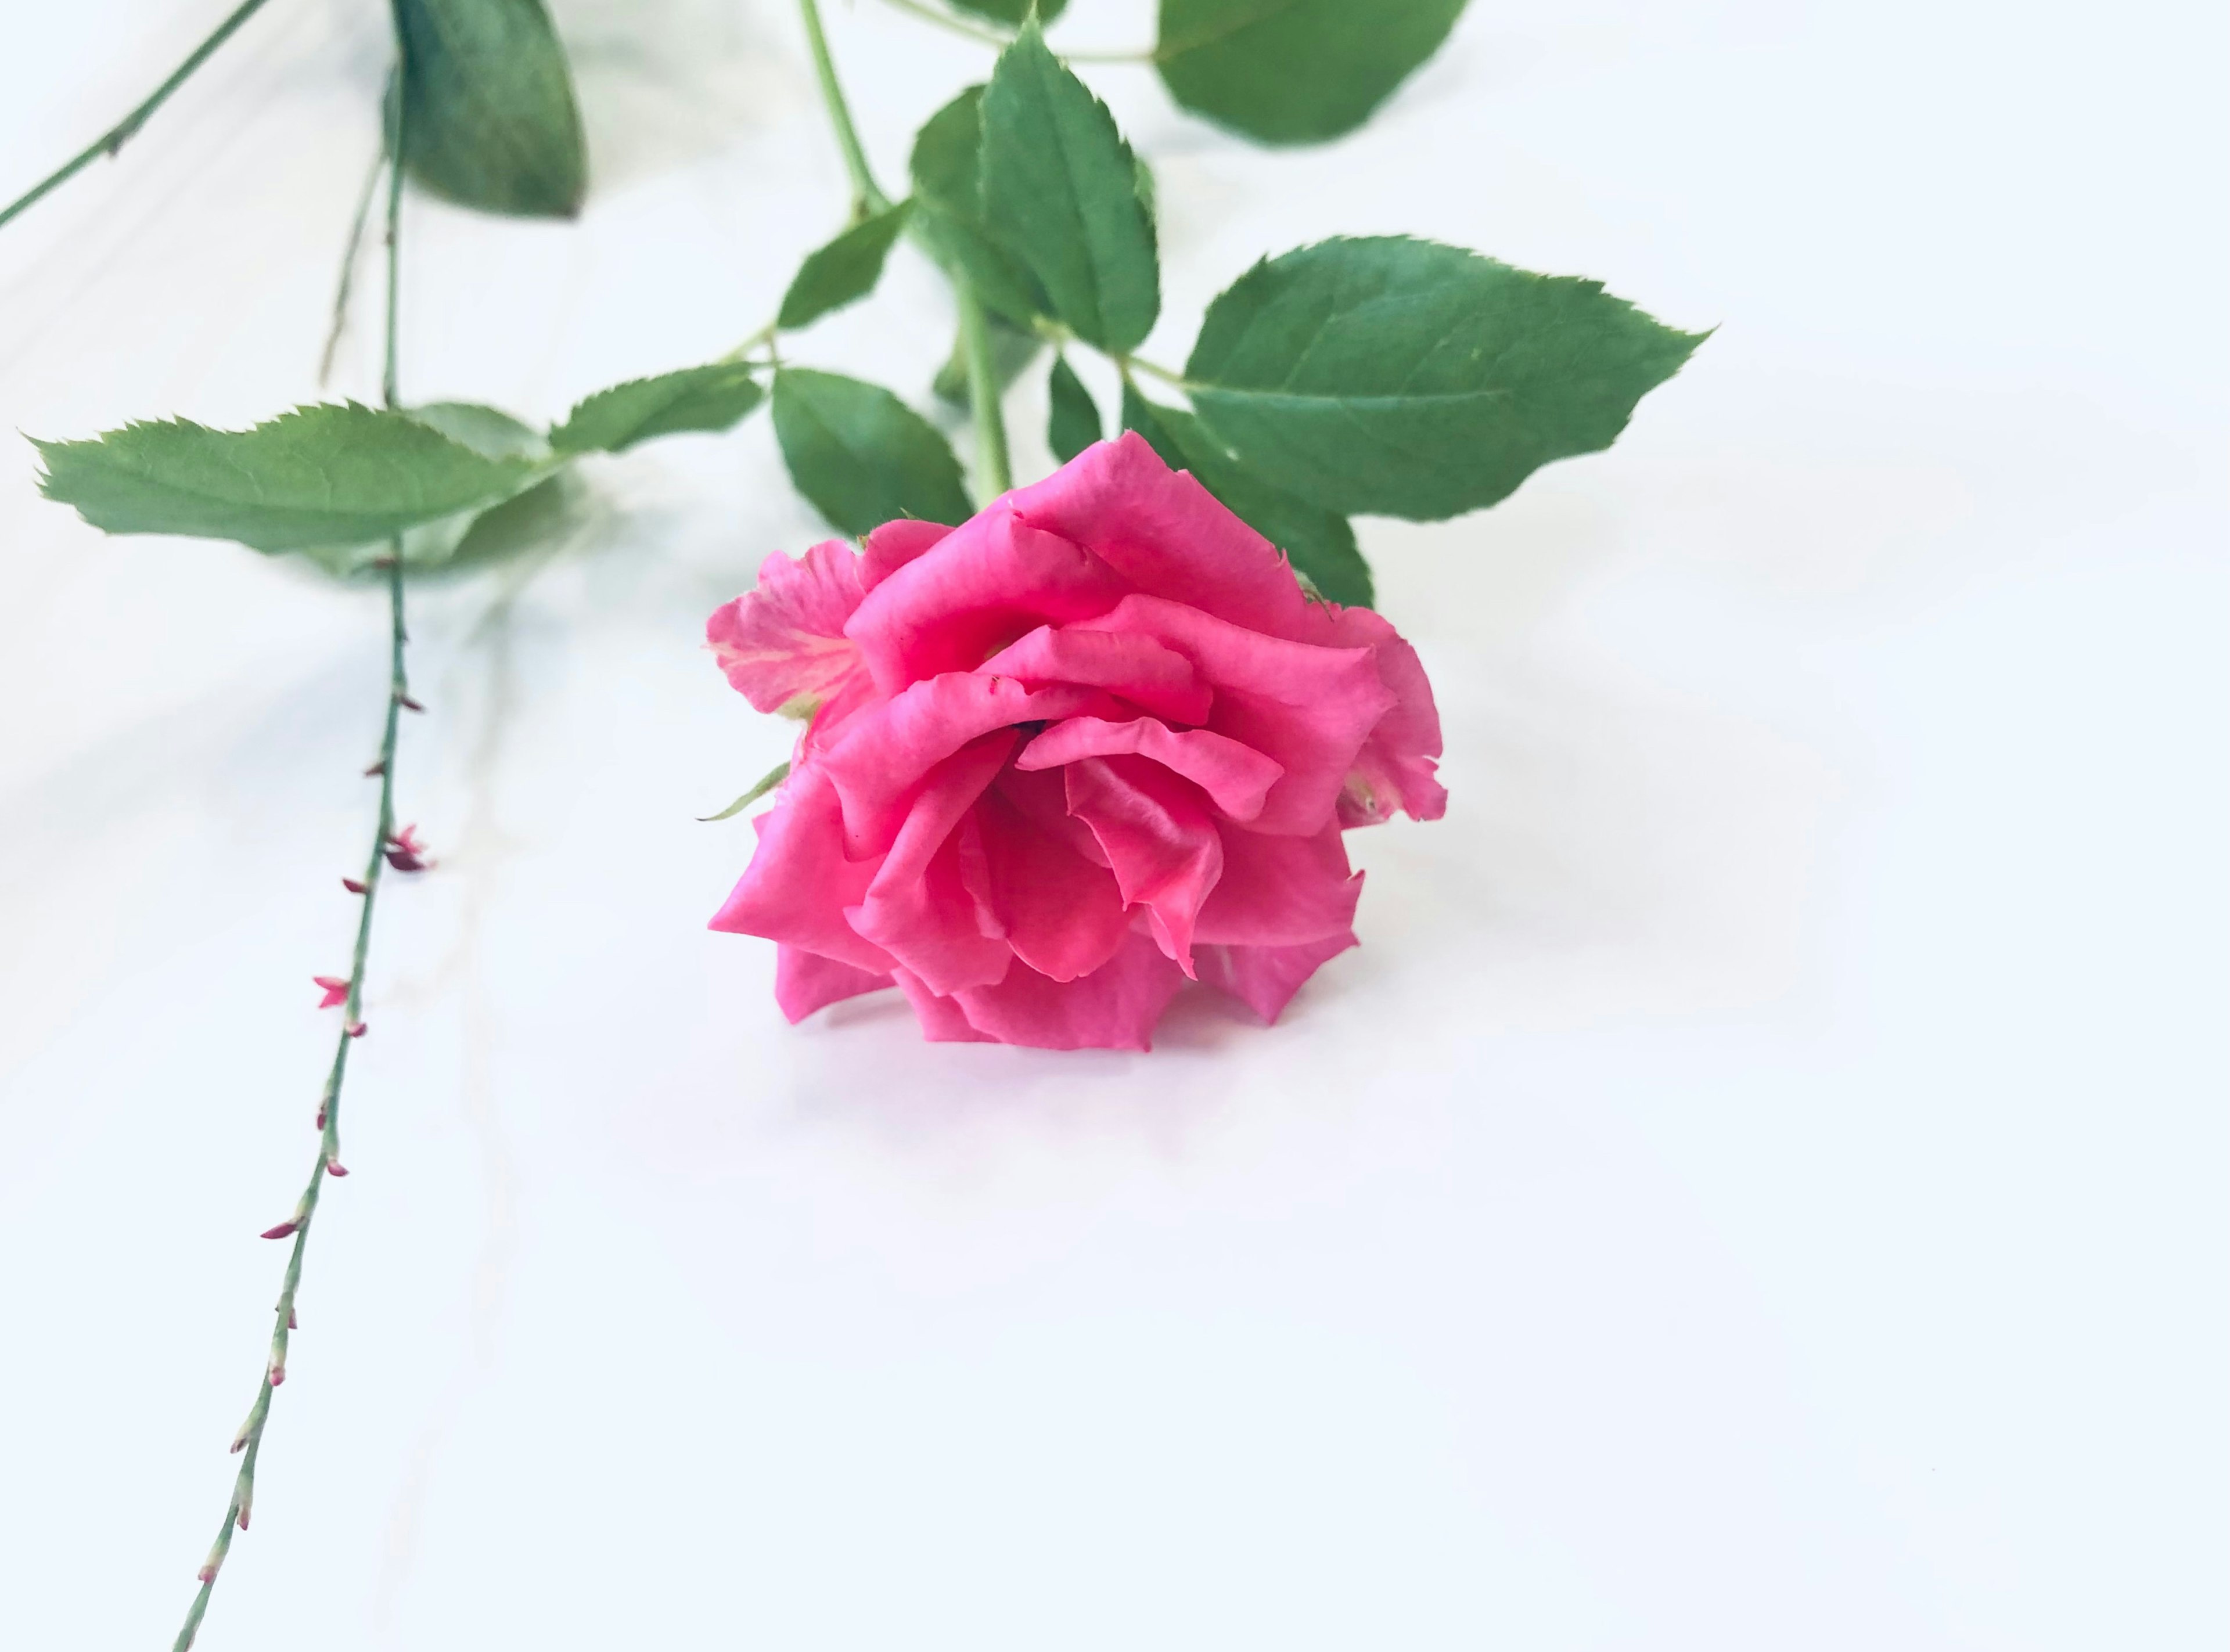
[1092,742]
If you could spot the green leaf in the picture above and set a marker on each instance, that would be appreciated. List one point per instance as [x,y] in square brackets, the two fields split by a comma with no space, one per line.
[332,474]
[861,455]
[488,116]
[767,782]
[1319,543]
[489,432]
[1072,424]
[949,211]
[845,270]
[1012,350]
[1410,379]
[1060,189]
[1013,13]
[712,398]
[1295,70]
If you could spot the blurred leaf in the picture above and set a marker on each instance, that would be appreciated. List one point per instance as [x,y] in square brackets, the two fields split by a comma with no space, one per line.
[712,398]
[861,455]
[489,119]
[1319,543]
[1073,421]
[331,474]
[1012,350]
[845,270]
[1405,378]
[767,782]
[949,211]
[1061,190]
[1295,70]
[1013,13]
[489,432]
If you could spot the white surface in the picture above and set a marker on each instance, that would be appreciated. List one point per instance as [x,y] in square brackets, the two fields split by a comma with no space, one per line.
[1758,1187]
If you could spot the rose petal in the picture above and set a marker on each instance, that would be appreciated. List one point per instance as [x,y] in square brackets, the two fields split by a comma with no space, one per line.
[883,752]
[799,880]
[943,1020]
[984,584]
[1235,777]
[1063,915]
[1113,1008]
[894,544]
[1307,708]
[1161,844]
[1265,978]
[918,908]
[784,642]
[1157,681]
[1279,891]
[805,981]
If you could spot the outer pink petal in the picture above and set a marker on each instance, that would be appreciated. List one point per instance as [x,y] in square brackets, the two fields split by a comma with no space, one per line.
[1279,891]
[1307,708]
[919,908]
[1167,535]
[1265,978]
[1064,916]
[880,758]
[1236,778]
[1113,1008]
[799,882]
[894,544]
[1163,846]
[943,1020]
[805,981]
[783,641]
[1158,680]
[987,582]
[1394,769]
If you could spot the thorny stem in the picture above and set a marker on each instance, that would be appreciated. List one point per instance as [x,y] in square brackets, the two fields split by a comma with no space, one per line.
[866,196]
[249,1440]
[122,133]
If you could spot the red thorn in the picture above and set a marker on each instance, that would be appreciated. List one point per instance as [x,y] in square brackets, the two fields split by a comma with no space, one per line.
[321,1118]
[358,1031]
[293,1324]
[335,1167]
[281,1231]
[409,704]
[352,886]
[278,1375]
[243,1519]
[376,769]
[207,1574]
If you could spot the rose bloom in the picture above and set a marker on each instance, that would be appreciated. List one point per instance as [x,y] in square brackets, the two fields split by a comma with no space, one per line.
[1092,742]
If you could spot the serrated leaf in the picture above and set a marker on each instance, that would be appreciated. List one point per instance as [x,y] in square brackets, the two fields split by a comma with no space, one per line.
[1061,191]
[861,455]
[844,271]
[1013,13]
[1012,351]
[1073,419]
[489,119]
[767,782]
[1405,378]
[949,211]
[1294,71]
[1319,543]
[489,432]
[713,398]
[331,474]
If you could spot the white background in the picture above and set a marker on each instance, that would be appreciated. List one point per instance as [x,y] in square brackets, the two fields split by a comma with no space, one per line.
[1758,1186]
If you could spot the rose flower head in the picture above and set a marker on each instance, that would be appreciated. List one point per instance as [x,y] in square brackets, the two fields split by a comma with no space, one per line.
[1092,742]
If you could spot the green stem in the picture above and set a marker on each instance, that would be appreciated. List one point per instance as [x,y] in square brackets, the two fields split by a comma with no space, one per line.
[992,37]
[347,287]
[866,196]
[121,133]
[249,1441]
[1126,363]
[995,474]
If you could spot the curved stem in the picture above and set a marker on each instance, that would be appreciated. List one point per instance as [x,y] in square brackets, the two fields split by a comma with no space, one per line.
[121,133]
[866,196]
[347,287]
[993,471]
[249,1440]
[1126,363]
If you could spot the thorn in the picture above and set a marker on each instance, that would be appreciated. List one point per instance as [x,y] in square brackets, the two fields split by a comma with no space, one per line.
[352,886]
[281,1231]
[240,1445]
[278,1375]
[376,769]
[207,1573]
[293,1324]
[407,703]
[354,1030]
[243,1519]
[335,1167]
[335,989]
[321,1118]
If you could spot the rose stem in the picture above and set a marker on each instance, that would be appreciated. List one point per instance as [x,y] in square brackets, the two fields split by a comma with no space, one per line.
[122,133]
[994,473]
[249,1440]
